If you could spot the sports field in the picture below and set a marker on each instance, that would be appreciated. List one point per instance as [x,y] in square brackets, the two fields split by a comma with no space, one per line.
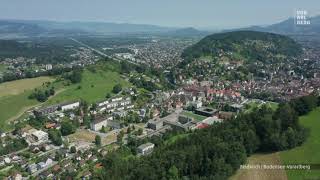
[195,116]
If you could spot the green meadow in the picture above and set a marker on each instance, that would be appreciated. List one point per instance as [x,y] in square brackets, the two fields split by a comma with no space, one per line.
[309,152]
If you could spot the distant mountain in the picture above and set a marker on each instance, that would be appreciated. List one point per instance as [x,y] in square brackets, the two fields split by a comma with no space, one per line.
[27,28]
[244,46]
[10,28]
[188,32]
[289,27]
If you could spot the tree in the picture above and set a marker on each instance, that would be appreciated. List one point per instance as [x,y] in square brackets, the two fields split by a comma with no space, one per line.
[140,131]
[120,136]
[75,76]
[55,137]
[173,173]
[73,149]
[67,128]
[117,88]
[98,140]
[86,121]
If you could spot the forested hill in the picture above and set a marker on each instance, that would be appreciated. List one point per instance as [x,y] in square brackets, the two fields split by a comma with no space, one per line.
[243,46]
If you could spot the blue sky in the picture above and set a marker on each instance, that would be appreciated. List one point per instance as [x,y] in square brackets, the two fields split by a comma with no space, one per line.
[178,13]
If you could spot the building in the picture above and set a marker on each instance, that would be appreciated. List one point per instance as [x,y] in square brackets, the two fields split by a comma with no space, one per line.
[48,67]
[69,105]
[46,110]
[184,119]
[206,111]
[155,124]
[145,149]
[32,168]
[114,104]
[40,136]
[196,104]
[114,124]
[99,122]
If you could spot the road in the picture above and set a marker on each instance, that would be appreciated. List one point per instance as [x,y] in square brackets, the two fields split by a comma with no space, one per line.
[92,49]
[99,52]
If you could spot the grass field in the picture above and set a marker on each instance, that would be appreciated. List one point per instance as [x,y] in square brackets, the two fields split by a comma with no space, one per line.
[261,174]
[195,116]
[14,98]
[253,104]
[19,86]
[309,152]
[93,87]
[10,106]
[14,95]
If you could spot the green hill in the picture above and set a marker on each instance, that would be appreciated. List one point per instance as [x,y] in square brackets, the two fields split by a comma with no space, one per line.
[244,46]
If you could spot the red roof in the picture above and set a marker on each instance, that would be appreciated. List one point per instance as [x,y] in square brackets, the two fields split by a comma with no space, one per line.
[202,126]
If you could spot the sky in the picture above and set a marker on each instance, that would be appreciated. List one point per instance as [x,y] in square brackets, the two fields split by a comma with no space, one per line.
[174,13]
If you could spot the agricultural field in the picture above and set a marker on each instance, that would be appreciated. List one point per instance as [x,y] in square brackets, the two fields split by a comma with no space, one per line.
[93,87]
[20,86]
[309,152]
[195,116]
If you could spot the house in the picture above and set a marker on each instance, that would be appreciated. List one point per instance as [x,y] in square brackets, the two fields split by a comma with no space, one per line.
[48,67]
[32,168]
[40,136]
[118,103]
[99,122]
[145,149]
[196,104]
[16,176]
[120,113]
[46,110]
[41,165]
[86,175]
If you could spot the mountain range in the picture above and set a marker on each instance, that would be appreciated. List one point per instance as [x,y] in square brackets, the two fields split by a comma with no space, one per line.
[37,28]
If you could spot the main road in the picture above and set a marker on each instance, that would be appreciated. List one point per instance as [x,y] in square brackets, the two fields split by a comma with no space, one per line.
[99,52]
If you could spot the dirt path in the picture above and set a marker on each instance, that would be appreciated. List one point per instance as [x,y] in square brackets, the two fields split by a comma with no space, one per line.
[27,108]
[262,174]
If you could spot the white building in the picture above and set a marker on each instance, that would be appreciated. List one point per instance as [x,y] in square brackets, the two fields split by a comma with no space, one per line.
[48,67]
[99,122]
[145,148]
[70,106]
[40,136]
